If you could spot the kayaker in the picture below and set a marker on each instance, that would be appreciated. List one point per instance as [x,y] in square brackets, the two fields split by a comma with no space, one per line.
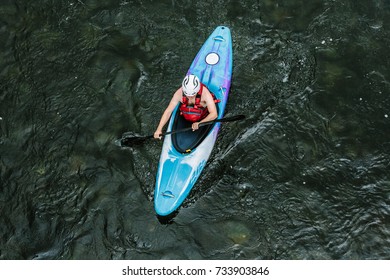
[197,104]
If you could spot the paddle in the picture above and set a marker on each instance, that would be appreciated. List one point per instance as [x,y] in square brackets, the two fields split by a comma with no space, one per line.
[130,139]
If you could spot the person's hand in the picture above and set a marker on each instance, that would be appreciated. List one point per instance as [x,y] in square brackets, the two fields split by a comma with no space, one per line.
[195,126]
[157,134]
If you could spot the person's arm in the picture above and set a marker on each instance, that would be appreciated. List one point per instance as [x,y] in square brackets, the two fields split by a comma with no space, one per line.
[211,107]
[167,113]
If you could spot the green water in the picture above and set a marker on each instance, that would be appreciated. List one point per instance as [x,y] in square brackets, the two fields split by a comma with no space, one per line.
[305,176]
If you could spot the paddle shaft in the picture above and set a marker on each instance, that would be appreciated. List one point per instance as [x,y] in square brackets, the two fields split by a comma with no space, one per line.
[228,119]
[129,140]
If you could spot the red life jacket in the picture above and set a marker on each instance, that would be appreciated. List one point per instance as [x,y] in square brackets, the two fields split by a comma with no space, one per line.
[196,112]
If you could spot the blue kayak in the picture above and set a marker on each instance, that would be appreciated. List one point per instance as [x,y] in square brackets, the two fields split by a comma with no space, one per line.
[184,155]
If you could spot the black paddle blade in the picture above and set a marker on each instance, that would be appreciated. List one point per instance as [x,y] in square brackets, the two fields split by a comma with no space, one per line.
[234,118]
[226,119]
[130,139]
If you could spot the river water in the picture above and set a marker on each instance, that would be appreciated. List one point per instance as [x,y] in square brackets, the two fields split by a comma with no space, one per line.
[304,176]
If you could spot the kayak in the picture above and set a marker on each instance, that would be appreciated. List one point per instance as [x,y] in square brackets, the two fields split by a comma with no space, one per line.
[184,155]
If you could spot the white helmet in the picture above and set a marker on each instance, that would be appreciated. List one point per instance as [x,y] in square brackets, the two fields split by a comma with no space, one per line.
[191,85]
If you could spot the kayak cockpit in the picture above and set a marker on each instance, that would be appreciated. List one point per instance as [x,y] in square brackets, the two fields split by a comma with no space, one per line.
[187,141]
